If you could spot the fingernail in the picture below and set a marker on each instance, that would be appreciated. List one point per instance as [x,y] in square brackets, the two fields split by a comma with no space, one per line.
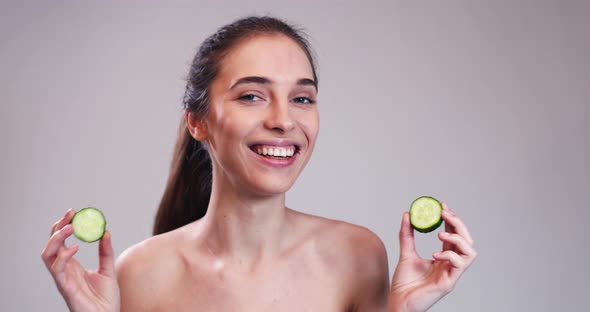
[445,234]
[446,213]
[446,207]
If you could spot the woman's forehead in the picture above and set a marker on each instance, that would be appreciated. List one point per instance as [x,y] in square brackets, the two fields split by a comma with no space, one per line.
[276,57]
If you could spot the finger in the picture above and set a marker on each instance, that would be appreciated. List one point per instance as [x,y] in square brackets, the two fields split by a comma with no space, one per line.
[62,259]
[452,257]
[106,256]
[55,244]
[458,241]
[457,225]
[448,228]
[65,220]
[446,207]
[406,238]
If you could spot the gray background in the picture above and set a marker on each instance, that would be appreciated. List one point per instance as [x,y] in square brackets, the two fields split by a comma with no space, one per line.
[482,104]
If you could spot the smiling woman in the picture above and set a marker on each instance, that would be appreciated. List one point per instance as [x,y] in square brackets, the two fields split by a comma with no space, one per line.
[223,238]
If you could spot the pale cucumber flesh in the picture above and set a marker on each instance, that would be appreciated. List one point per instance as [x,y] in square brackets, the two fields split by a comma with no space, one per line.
[89,224]
[426,214]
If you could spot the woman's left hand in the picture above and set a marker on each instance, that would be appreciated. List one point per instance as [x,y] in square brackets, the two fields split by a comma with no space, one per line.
[419,283]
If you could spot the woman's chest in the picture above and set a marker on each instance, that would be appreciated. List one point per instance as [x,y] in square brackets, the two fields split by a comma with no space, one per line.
[290,288]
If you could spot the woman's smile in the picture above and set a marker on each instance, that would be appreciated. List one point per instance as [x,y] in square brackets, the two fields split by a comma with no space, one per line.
[280,153]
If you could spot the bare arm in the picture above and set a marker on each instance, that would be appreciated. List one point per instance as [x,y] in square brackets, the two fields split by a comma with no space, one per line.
[371,286]
[137,277]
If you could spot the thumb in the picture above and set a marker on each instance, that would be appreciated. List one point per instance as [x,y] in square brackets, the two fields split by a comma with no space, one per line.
[106,256]
[407,247]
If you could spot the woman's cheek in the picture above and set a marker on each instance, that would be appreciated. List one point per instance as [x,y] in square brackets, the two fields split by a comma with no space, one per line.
[311,126]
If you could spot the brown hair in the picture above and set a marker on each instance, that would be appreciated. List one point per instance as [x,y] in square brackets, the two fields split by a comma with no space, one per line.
[188,189]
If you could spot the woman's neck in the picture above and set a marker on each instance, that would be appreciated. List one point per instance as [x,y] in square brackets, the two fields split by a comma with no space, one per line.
[243,227]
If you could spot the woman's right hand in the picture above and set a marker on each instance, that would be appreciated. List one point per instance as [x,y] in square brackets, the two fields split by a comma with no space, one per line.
[83,290]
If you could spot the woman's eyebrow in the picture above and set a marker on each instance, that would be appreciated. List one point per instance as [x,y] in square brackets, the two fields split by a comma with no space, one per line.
[251,79]
[307,82]
[264,80]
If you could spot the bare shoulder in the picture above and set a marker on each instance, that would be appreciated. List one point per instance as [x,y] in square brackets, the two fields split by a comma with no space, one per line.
[369,288]
[355,242]
[356,255]
[359,240]
[144,270]
[142,256]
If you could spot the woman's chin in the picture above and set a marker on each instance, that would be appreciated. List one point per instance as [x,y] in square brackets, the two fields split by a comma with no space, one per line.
[271,188]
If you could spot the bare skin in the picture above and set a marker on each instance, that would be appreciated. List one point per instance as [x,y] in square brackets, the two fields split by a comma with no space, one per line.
[315,268]
[250,252]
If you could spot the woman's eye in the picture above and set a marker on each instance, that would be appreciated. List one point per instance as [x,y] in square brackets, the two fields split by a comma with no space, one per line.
[303,100]
[250,98]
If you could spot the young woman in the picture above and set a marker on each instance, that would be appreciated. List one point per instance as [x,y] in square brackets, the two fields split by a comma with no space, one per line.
[223,238]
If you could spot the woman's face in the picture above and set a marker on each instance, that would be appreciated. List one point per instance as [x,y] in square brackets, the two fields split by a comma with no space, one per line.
[263,119]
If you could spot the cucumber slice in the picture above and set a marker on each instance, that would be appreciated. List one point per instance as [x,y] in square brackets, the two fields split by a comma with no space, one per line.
[426,214]
[89,224]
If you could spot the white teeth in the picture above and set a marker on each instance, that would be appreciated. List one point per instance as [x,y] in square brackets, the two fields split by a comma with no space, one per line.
[276,151]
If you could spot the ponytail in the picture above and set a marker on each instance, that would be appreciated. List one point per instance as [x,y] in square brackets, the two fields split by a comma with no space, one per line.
[189,185]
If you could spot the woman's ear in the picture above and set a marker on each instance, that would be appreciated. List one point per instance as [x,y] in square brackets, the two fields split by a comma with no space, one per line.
[196,126]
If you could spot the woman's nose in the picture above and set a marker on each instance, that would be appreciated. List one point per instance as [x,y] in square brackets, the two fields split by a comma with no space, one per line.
[279,117]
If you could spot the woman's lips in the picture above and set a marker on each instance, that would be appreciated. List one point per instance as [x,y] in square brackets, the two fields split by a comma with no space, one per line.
[274,155]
